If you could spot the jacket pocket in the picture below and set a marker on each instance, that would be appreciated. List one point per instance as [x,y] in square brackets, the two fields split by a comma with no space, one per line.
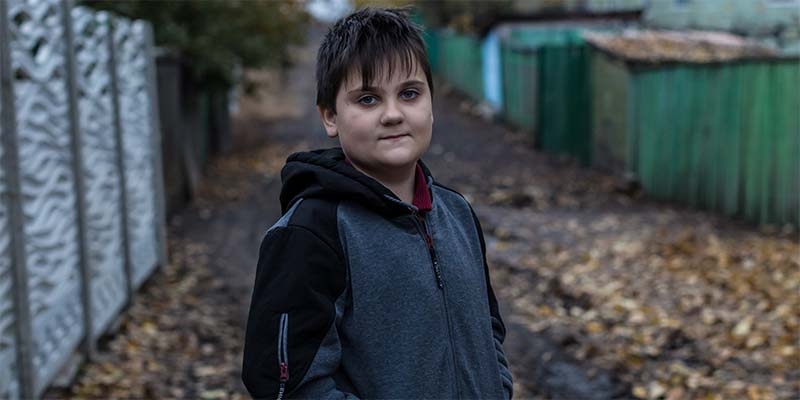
[283,356]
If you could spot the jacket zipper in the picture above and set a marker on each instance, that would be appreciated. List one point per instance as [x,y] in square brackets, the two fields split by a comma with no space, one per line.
[431,250]
[283,358]
[423,227]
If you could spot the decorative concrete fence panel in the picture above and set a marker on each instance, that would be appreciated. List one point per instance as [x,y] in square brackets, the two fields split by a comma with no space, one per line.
[8,345]
[46,183]
[136,115]
[81,199]
[100,166]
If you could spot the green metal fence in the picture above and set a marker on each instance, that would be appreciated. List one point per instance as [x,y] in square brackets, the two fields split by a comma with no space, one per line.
[519,86]
[545,88]
[459,61]
[564,123]
[611,95]
[723,137]
[557,110]
[535,36]
[432,44]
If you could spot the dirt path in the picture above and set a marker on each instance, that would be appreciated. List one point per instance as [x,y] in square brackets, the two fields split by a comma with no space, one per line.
[600,289]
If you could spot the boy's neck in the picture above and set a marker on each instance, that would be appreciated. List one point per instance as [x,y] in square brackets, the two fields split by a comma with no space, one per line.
[399,180]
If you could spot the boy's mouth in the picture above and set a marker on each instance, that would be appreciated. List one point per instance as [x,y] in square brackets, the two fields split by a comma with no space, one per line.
[390,137]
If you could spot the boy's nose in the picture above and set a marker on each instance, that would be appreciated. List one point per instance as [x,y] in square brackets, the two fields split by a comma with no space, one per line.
[391,114]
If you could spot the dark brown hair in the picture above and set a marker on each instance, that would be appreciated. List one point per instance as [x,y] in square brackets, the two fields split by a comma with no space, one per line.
[373,41]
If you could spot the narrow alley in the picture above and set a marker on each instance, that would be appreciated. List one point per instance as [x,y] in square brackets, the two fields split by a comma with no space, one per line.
[605,294]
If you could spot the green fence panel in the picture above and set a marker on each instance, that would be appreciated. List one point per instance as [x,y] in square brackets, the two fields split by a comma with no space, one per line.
[505,67]
[778,202]
[730,130]
[432,44]
[519,68]
[752,143]
[721,137]
[785,85]
[713,141]
[580,103]
[766,136]
[460,63]
[611,114]
[521,71]
[663,141]
[693,177]
[781,142]
[564,117]
[548,90]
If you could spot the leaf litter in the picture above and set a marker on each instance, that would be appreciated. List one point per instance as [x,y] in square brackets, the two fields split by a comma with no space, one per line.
[676,307]
[182,335]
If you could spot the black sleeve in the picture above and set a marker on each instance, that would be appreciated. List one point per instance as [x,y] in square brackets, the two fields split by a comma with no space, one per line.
[298,279]
[498,327]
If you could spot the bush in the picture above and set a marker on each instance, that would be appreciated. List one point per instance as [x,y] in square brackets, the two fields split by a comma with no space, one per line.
[217,36]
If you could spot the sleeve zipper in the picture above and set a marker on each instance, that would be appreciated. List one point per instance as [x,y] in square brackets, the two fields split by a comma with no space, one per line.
[283,358]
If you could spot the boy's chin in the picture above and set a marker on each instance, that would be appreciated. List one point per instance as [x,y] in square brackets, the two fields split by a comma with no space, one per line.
[388,163]
[399,159]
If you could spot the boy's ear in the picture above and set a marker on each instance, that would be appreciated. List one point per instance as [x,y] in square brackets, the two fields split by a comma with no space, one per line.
[328,118]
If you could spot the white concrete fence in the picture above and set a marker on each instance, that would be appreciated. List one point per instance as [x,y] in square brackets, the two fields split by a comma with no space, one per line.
[81,187]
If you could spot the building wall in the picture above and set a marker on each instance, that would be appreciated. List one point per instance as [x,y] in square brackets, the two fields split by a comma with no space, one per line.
[773,22]
[598,6]
[776,22]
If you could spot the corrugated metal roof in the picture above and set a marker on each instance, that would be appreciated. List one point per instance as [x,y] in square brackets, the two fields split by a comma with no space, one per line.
[650,46]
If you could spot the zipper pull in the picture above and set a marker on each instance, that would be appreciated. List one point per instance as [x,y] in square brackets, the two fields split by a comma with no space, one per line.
[284,372]
[438,271]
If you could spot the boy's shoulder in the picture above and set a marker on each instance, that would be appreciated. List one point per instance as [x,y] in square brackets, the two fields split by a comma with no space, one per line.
[451,196]
[459,206]
[317,215]
[449,191]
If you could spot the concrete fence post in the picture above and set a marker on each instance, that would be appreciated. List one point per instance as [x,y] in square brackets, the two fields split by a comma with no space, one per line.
[123,201]
[13,200]
[158,170]
[77,170]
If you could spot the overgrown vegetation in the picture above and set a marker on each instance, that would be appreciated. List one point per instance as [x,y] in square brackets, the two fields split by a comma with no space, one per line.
[218,36]
[463,16]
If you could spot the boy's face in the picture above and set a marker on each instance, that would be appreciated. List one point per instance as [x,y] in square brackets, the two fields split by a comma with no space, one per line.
[385,127]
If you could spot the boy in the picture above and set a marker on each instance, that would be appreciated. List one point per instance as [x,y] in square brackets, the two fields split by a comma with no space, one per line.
[374,282]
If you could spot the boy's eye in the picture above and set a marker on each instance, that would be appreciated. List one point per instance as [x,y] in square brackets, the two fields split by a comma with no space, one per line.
[409,94]
[367,100]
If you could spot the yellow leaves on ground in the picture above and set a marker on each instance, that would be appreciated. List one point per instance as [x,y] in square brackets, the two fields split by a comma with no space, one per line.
[683,309]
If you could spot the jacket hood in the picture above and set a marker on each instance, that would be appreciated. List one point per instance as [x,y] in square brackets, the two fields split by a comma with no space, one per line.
[325,174]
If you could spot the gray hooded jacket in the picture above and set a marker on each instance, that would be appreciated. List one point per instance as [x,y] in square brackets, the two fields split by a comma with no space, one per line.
[360,295]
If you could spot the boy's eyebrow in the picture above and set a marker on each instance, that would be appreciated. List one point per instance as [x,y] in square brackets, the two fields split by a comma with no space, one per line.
[410,82]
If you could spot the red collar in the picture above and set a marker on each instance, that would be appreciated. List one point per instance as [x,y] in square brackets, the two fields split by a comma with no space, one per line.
[422,195]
